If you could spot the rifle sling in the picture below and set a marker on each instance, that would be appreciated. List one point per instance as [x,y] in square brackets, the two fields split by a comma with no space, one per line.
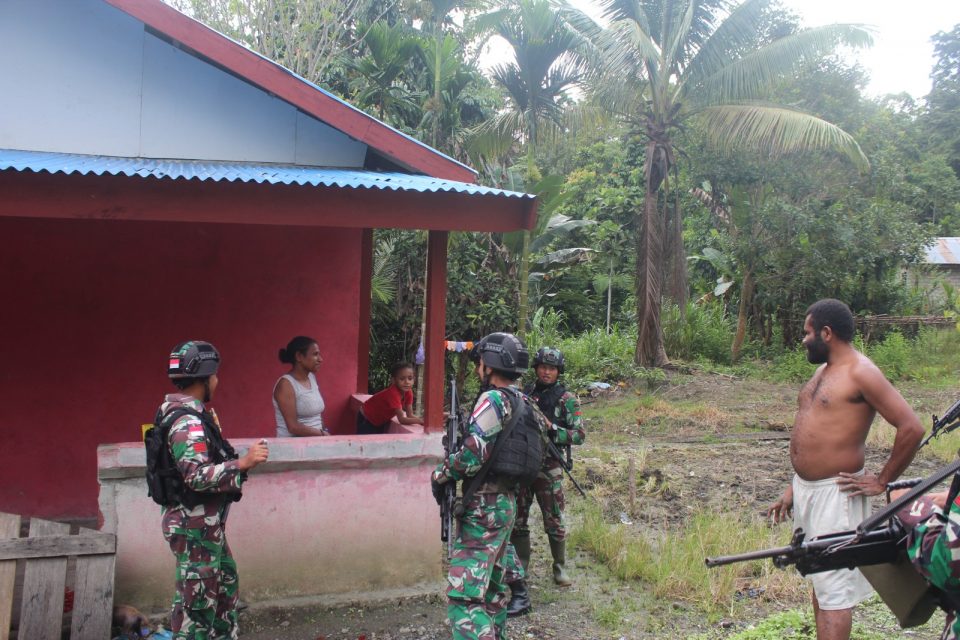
[477,480]
[887,512]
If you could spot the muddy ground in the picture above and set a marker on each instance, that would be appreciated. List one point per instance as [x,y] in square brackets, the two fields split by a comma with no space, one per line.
[700,440]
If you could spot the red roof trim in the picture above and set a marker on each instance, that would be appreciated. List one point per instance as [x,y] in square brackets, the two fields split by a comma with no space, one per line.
[273,78]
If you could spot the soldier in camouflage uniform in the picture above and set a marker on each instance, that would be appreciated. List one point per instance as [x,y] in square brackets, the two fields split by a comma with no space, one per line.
[205,604]
[477,590]
[933,547]
[562,408]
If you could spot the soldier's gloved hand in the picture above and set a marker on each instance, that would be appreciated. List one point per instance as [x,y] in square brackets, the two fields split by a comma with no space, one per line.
[438,491]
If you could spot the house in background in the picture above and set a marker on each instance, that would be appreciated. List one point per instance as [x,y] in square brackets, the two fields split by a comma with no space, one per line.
[161,182]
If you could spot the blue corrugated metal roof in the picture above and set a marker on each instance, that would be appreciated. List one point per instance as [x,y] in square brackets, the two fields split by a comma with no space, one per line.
[944,250]
[68,163]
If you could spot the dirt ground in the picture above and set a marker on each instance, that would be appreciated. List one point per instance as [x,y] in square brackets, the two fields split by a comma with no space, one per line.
[702,440]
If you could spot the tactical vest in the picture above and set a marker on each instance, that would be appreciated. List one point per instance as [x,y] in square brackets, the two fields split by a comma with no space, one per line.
[164,480]
[518,458]
[547,399]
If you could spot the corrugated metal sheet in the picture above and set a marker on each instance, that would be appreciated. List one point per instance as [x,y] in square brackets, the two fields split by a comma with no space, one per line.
[944,251]
[69,163]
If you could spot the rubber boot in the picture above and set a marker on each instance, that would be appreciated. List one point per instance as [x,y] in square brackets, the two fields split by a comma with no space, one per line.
[519,599]
[521,542]
[558,548]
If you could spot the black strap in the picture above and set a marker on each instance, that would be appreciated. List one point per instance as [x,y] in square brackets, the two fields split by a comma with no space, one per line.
[516,405]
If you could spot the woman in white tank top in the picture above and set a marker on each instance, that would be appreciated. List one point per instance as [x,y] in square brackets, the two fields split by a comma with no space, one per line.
[297,403]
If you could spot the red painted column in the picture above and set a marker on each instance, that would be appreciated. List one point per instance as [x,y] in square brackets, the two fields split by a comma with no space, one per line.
[363,338]
[434,351]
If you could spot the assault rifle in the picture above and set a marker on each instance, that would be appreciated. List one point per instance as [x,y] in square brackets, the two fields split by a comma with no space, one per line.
[566,465]
[946,424]
[452,441]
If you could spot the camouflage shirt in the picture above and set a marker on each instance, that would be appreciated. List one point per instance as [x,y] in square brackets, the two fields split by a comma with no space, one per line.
[933,548]
[188,445]
[565,412]
[492,411]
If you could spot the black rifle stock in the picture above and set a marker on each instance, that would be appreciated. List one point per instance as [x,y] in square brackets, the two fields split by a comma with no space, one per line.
[452,441]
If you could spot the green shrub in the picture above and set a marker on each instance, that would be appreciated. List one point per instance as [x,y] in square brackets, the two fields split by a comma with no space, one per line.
[892,355]
[792,366]
[706,331]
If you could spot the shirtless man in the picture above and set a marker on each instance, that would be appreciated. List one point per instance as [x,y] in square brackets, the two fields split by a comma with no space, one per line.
[831,488]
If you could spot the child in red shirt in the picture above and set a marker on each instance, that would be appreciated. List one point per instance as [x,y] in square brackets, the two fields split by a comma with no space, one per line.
[396,400]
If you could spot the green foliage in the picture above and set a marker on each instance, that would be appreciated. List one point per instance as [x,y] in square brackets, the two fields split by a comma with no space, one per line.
[703,331]
[893,355]
[792,366]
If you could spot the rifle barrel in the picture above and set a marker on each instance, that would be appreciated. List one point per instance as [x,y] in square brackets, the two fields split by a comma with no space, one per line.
[752,555]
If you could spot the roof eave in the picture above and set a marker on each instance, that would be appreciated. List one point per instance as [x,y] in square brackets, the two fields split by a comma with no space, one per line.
[281,82]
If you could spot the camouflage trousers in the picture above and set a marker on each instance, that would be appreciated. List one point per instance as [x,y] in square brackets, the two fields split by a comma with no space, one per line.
[205,605]
[477,592]
[512,567]
[548,489]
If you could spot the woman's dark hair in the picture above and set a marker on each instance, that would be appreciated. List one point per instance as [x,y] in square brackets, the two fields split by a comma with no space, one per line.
[300,345]
[398,367]
[834,314]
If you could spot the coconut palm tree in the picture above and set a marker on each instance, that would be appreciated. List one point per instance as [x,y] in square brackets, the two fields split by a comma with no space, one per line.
[663,65]
[380,84]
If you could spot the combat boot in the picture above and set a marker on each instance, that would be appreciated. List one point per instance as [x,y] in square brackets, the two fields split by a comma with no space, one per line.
[519,599]
[521,543]
[558,548]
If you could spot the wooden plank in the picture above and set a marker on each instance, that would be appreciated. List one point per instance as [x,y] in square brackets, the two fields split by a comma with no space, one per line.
[93,594]
[41,612]
[52,546]
[9,528]
[435,331]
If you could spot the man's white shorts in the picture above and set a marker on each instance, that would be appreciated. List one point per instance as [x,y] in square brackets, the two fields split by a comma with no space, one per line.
[819,507]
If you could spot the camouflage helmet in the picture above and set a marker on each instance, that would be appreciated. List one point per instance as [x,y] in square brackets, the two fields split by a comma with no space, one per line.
[193,359]
[502,352]
[550,356]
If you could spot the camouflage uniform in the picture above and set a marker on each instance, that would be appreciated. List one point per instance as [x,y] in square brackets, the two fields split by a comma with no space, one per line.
[477,591]
[548,487]
[933,548]
[205,605]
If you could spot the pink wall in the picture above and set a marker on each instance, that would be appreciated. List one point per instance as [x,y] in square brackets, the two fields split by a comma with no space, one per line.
[91,309]
[324,518]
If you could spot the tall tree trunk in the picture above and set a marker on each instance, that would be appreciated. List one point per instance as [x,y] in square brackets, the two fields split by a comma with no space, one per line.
[677,260]
[650,351]
[609,294]
[746,299]
[524,286]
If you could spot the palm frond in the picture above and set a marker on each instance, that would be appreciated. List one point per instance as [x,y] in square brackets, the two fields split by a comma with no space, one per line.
[776,131]
[738,32]
[747,77]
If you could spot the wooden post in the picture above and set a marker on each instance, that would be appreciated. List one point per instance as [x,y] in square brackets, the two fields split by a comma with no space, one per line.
[363,338]
[436,330]
[41,612]
[9,528]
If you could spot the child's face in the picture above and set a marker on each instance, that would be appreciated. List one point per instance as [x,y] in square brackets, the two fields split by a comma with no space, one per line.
[404,379]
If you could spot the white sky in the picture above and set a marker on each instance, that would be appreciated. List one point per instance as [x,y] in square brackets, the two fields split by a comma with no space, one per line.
[901,57]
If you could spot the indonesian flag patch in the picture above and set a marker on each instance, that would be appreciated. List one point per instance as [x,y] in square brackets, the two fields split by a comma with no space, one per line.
[200,447]
[174,363]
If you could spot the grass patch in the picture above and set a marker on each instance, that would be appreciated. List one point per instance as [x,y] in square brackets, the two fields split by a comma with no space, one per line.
[674,566]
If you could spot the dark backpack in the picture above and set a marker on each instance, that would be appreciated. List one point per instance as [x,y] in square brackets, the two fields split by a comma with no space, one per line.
[164,481]
[518,452]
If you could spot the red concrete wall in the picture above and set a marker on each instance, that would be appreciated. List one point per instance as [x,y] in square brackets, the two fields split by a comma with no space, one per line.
[91,309]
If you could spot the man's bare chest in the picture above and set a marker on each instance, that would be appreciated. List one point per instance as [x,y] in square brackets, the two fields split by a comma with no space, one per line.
[828,393]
